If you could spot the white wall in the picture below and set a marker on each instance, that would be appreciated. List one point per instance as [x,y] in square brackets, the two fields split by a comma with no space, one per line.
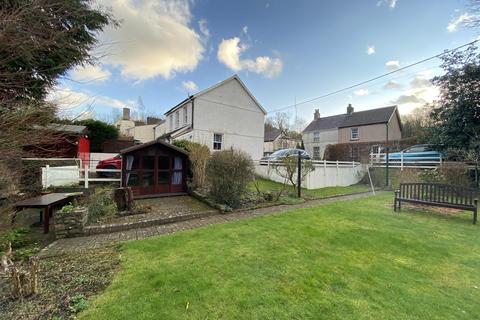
[321,177]
[143,133]
[326,137]
[229,110]
[160,130]
[60,176]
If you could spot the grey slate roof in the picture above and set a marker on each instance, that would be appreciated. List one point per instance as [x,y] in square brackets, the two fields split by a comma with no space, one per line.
[271,135]
[380,115]
[360,118]
[326,123]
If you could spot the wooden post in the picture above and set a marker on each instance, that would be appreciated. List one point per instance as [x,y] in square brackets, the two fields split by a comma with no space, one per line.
[475,211]
[46,219]
[401,161]
[85,175]
[299,174]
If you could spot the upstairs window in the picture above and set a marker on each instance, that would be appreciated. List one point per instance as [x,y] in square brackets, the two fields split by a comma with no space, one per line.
[177,120]
[217,141]
[171,121]
[185,115]
[354,134]
[316,136]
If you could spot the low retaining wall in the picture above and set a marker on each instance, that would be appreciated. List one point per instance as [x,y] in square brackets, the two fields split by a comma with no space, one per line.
[323,175]
[70,224]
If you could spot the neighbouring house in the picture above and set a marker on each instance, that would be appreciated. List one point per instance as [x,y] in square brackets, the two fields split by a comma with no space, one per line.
[221,117]
[374,126]
[143,131]
[275,140]
[154,168]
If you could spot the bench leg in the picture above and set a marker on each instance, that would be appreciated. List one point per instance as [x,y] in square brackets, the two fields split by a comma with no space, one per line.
[475,202]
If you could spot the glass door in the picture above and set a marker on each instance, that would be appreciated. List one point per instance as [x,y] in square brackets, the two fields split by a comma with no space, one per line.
[163,174]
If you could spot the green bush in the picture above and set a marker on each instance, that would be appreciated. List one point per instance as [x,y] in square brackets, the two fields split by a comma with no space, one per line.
[228,174]
[100,204]
[78,303]
[17,238]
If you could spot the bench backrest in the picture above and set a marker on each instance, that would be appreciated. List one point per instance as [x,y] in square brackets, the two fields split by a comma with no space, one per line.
[439,193]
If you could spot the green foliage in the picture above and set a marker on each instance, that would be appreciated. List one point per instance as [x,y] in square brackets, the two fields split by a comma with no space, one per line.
[185,144]
[228,175]
[98,132]
[24,253]
[17,237]
[456,119]
[78,303]
[68,208]
[101,204]
[43,39]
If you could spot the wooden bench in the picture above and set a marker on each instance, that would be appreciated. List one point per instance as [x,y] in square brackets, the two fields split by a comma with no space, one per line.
[440,195]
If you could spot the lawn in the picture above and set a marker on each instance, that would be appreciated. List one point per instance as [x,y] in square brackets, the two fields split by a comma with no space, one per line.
[345,260]
[268,185]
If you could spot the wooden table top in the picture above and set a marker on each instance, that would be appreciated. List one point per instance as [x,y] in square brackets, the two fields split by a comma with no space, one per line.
[46,199]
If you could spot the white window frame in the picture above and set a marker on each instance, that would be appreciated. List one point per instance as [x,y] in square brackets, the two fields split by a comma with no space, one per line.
[354,134]
[177,119]
[171,122]
[217,143]
[316,136]
[185,115]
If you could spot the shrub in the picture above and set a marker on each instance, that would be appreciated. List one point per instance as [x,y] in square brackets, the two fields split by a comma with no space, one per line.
[454,173]
[101,204]
[199,155]
[228,174]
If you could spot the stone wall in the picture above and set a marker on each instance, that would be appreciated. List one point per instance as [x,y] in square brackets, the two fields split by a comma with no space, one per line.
[70,224]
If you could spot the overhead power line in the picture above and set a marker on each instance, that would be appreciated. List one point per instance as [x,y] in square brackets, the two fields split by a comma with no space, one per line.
[374,78]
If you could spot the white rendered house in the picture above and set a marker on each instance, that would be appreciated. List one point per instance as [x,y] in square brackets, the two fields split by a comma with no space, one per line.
[221,117]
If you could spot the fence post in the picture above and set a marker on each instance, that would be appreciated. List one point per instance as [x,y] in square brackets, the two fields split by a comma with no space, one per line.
[85,175]
[299,174]
[401,161]
[47,169]
[337,165]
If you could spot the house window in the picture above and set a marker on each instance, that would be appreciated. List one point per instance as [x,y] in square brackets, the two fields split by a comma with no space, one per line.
[316,136]
[171,122]
[217,141]
[177,120]
[354,134]
[185,115]
[316,152]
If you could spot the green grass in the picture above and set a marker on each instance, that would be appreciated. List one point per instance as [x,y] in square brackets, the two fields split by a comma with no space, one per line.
[345,260]
[268,185]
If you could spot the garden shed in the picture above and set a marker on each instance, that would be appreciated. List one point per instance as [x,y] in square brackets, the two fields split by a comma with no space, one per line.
[155,168]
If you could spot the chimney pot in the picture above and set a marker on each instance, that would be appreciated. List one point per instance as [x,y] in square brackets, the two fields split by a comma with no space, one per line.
[316,114]
[126,114]
[349,109]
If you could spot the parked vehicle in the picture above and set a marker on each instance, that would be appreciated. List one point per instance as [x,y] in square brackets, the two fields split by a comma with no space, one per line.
[420,152]
[277,155]
[110,163]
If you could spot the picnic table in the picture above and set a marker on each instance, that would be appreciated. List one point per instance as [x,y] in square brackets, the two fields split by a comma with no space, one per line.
[46,202]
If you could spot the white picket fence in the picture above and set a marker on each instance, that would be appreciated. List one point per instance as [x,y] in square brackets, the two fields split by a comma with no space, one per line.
[74,175]
[380,160]
[316,163]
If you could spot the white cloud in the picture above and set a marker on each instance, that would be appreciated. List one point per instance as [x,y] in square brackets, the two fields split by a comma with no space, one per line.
[69,99]
[392,85]
[460,20]
[202,24]
[245,29]
[90,73]
[267,5]
[361,92]
[390,3]
[189,86]
[229,52]
[420,92]
[392,65]
[370,50]
[155,38]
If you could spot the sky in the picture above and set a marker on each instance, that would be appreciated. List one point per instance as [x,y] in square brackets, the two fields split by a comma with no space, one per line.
[284,51]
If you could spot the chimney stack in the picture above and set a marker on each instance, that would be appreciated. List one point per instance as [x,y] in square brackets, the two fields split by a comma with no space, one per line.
[126,114]
[316,114]
[349,109]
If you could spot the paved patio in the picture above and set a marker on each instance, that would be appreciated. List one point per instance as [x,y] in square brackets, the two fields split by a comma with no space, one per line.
[69,245]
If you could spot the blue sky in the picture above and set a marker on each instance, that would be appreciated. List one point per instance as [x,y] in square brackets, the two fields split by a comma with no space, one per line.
[282,50]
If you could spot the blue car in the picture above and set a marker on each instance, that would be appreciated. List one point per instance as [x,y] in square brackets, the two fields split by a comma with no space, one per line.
[420,152]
